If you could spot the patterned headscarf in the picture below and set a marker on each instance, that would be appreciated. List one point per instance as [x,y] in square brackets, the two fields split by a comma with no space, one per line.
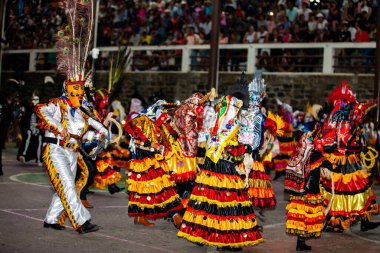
[225,128]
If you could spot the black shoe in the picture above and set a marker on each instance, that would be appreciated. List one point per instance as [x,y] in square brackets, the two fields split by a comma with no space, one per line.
[1,172]
[113,188]
[54,226]
[366,225]
[279,174]
[199,244]
[301,245]
[87,227]
[228,249]
[333,230]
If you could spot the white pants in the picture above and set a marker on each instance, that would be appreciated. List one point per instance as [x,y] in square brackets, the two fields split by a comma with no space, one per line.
[62,165]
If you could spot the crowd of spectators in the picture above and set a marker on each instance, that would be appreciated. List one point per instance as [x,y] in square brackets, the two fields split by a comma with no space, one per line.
[34,23]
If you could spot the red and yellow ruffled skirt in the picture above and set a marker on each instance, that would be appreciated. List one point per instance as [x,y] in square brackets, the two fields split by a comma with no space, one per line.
[151,191]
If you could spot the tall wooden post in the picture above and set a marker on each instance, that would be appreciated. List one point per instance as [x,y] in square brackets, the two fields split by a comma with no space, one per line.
[214,56]
[377,65]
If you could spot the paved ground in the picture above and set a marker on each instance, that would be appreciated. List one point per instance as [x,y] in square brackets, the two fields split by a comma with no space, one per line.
[25,195]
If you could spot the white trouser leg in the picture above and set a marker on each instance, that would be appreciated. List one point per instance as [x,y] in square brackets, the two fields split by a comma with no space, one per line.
[27,142]
[39,148]
[62,164]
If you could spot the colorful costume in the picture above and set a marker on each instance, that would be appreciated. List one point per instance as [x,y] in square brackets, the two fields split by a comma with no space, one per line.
[150,189]
[65,123]
[107,176]
[60,154]
[187,121]
[286,141]
[32,138]
[350,162]
[253,133]
[305,215]
[219,212]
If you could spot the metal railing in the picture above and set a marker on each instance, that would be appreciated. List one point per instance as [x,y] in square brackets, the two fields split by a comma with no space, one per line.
[326,58]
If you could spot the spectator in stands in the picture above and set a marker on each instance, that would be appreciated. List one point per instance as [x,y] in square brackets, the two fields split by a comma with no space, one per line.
[321,22]
[312,27]
[270,22]
[287,37]
[192,39]
[286,62]
[156,22]
[264,62]
[250,36]
[291,11]
[305,10]
[224,54]
[262,34]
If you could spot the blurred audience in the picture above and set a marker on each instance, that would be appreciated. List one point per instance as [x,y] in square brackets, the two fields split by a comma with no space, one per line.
[33,24]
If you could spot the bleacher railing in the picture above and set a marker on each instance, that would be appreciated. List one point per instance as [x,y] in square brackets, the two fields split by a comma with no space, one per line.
[323,58]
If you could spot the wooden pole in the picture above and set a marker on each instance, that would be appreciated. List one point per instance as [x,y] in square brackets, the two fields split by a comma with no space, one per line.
[3,6]
[214,56]
[377,66]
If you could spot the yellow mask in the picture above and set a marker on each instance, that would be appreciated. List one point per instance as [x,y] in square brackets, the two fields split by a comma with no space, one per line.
[75,92]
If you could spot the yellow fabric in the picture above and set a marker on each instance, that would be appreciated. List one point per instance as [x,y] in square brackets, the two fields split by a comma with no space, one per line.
[200,240]
[102,165]
[260,183]
[145,164]
[348,203]
[82,180]
[218,203]
[224,225]
[300,225]
[347,178]
[341,159]
[307,210]
[260,193]
[258,166]
[280,123]
[161,205]
[214,153]
[149,187]
[102,183]
[224,182]
[189,165]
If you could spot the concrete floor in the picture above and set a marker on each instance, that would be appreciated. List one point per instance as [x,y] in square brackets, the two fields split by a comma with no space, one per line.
[25,199]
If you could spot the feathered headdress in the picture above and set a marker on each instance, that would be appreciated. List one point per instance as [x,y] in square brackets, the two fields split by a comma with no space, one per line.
[342,92]
[275,124]
[118,65]
[74,40]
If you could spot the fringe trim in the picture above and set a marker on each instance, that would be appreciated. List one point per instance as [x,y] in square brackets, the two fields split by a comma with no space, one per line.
[184,177]
[82,180]
[218,203]
[235,223]
[302,233]
[102,165]
[145,164]
[342,159]
[57,184]
[218,181]
[200,240]
[302,226]
[149,187]
[102,183]
[350,205]
[257,193]
[219,195]
[161,205]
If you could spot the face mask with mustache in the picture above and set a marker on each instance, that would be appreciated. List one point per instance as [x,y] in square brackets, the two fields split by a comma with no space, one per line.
[75,93]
